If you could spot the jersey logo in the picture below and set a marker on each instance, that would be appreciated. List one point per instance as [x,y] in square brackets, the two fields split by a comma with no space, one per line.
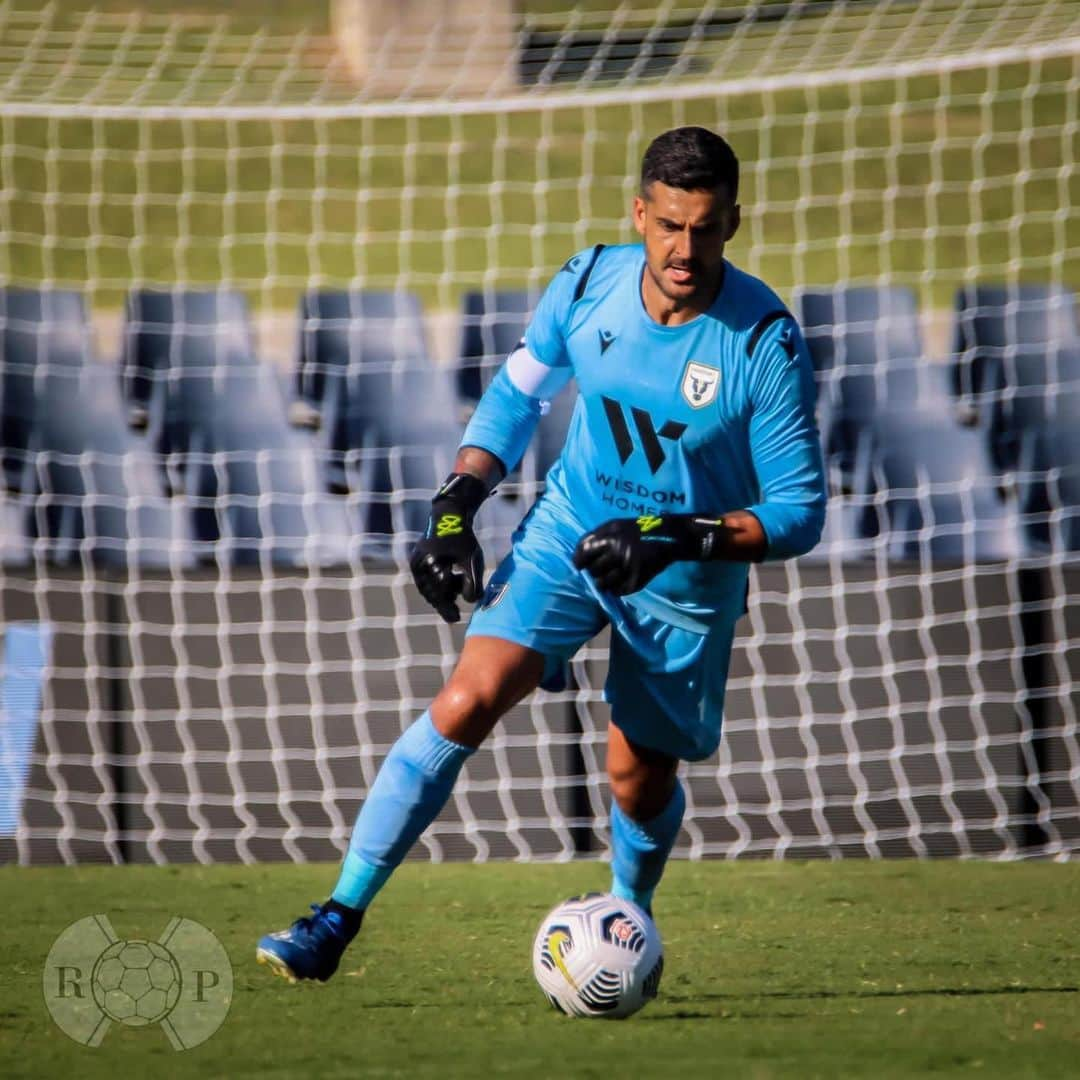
[606,339]
[647,433]
[570,265]
[787,341]
[493,594]
[700,384]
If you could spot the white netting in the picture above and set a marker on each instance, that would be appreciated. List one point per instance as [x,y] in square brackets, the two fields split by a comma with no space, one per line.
[234,247]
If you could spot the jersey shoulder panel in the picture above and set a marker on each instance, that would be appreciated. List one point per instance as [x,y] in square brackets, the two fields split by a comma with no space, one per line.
[752,296]
[760,311]
[612,262]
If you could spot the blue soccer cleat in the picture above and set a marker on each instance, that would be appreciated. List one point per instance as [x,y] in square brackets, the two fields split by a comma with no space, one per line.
[310,949]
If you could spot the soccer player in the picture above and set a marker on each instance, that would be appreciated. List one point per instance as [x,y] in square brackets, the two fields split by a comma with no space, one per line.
[692,452]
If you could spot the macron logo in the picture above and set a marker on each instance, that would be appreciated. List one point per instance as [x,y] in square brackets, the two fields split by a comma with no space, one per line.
[606,339]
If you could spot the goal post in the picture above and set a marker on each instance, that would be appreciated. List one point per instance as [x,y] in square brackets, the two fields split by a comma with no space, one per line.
[880,701]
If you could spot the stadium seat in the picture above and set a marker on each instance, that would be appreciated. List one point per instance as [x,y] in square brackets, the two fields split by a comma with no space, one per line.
[389,421]
[492,325]
[40,331]
[866,349]
[1014,335]
[217,417]
[89,488]
[1017,364]
[167,329]
[925,485]
[97,488]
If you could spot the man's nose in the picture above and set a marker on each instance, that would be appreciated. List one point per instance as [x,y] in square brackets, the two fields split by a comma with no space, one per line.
[684,245]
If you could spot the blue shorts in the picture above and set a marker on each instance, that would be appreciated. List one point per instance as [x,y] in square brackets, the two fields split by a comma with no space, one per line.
[665,682]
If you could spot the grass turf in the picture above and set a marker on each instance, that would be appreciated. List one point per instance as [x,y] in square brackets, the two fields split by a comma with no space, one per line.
[885,969]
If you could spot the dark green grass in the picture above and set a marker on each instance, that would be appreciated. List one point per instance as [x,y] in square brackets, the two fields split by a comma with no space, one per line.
[800,970]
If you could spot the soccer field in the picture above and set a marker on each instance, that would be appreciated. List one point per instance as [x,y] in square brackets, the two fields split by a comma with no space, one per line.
[773,970]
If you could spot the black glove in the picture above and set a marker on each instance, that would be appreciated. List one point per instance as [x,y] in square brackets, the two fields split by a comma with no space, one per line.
[625,554]
[447,562]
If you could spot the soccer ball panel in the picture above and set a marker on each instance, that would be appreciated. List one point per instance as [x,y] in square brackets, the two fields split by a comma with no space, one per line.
[153,1005]
[598,956]
[135,982]
[136,954]
[119,1006]
[109,973]
[161,974]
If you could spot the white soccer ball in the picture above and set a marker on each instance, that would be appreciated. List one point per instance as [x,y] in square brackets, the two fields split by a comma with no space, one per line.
[598,956]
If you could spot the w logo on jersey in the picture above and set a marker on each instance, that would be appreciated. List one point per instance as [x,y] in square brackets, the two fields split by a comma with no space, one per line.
[647,433]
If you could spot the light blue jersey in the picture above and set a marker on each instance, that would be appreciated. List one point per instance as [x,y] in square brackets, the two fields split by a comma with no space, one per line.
[711,416]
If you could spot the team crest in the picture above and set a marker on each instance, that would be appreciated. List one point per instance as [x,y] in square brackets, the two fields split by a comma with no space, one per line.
[699,385]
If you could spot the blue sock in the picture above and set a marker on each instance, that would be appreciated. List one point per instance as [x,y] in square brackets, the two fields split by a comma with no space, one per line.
[640,849]
[409,791]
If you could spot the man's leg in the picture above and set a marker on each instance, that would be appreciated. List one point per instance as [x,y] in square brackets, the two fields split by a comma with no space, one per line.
[646,813]
[415,781]
[411,787]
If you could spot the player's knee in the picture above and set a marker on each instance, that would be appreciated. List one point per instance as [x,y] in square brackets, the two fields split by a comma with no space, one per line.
[640,793]
[466,710]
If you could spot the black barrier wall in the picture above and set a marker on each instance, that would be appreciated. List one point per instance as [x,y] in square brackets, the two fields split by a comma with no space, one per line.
[242,718]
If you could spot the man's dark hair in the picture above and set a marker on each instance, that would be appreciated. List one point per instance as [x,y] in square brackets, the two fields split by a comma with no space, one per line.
[691,159]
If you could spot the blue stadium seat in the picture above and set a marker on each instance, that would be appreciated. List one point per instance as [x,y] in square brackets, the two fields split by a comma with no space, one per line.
[1017,364]
[866,350]
[492,325]
[40,331]
[389,421]
[98,490]
[1014,335]
[91,490]
[216,415]
[179,328]
[925,485]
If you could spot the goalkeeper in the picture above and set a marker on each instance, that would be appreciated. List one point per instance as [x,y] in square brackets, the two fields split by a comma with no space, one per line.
[692,452]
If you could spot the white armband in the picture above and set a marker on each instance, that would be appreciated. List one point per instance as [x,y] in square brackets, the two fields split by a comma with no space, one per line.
[534,378]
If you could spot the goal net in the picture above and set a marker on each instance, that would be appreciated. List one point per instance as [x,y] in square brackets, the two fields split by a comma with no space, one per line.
[210,223]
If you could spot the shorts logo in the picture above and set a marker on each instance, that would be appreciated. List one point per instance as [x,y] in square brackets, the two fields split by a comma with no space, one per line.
[700,384]
[493,594]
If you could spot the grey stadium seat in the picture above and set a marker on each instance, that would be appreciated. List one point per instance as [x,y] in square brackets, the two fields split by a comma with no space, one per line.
[493,322]
[253,485]
[91,488]
[389,421]
[925,486]
[865,345]
[1017,364]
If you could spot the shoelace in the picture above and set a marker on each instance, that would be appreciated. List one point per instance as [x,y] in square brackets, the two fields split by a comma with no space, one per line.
[309,922]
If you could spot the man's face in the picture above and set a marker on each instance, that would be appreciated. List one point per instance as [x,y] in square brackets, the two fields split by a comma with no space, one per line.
[684,233]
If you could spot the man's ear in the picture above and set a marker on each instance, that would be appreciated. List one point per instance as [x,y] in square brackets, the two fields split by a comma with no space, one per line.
[736,221]
[639,214]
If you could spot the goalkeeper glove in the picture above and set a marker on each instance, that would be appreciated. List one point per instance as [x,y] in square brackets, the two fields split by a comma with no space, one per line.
[625,554]
[447,562]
